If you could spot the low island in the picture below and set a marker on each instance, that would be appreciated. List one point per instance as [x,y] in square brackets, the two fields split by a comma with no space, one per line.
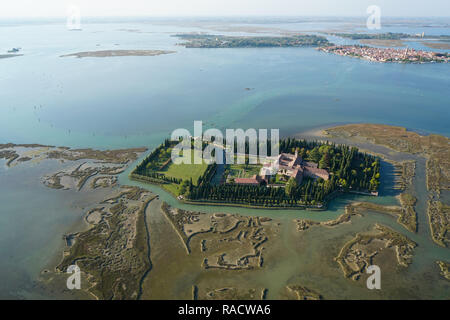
[389,36]
[304,175]
[5,56]
[194,40]
[117,53]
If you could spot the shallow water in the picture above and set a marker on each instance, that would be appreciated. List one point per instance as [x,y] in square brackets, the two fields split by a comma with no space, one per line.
[33,219]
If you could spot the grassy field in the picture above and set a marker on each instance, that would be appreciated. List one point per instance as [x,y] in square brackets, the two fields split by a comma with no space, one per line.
[172,188]
[158,168]
[186,171]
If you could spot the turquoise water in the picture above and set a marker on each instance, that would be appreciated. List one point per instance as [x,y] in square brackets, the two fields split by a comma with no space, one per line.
[138,101]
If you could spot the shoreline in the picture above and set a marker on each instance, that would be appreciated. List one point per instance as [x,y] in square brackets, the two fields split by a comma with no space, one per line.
[387,55]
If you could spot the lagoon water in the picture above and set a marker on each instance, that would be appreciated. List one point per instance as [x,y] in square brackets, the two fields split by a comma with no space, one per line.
[134,101]
[137,101]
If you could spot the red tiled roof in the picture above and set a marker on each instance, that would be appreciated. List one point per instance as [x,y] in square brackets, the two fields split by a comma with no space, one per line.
[246,181]
[255,180]
[320,172]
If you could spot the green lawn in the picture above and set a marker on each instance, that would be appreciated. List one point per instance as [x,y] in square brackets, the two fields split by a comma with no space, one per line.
[172,188]
[186,171]
[279,179]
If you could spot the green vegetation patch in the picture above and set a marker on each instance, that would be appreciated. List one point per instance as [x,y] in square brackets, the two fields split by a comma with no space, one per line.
[158,168]
[185,171]
[218,41]
[114,252]
[234,171]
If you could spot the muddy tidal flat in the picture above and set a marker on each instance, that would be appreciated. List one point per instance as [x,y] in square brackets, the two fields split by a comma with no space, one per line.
[383,43]
[437,45]
[118,53]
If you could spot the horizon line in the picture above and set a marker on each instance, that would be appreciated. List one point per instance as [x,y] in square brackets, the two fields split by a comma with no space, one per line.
[221,16]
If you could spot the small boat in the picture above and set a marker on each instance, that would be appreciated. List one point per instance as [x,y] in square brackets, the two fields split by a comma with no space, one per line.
[14,50]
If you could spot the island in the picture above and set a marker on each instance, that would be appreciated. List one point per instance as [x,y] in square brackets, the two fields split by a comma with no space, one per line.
[117,53]
[4,56]
[388,36]
[387,54]
[195,40]
[306,174]
[396,39]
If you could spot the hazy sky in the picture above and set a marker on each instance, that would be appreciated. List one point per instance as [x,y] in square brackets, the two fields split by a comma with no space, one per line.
[52,8]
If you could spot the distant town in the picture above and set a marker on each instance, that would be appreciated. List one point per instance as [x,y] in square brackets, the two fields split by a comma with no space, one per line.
[388,54]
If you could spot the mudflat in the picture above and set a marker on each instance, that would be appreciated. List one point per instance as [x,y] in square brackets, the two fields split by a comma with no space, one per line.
[117,53]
